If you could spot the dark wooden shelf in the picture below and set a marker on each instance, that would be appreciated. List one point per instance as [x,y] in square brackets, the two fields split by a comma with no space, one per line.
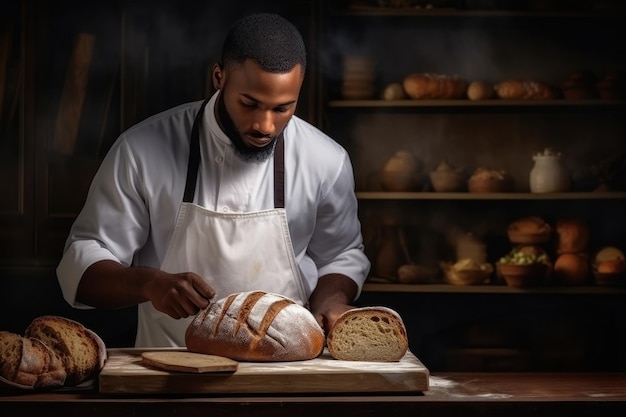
[490,289]
[492,103]
[368,11]
[382,195]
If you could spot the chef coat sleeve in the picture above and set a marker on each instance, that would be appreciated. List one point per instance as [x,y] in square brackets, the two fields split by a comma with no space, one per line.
[336,245]
[112,225]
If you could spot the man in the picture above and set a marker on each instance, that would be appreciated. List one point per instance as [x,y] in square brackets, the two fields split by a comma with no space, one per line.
[232,194]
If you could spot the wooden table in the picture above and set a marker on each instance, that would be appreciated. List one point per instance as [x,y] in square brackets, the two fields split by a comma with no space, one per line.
[450,394]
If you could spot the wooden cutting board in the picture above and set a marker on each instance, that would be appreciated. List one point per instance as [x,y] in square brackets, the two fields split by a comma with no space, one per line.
[126,373]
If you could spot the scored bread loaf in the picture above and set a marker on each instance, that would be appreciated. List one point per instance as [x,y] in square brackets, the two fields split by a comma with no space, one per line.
[427,86]
[256,326]
[81,350]
[29,363]
[375,334]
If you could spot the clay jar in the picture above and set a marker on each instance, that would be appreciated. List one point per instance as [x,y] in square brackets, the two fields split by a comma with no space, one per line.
[469,246]
[390,254]
[400,173]
[549,174]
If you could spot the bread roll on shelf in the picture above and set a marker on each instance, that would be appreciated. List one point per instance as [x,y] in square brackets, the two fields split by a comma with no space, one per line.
[480,90]
[426,86]
[524,90]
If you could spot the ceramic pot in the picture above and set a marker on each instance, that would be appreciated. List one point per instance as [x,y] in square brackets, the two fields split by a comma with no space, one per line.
[401,172]
[549,174]
[390,254]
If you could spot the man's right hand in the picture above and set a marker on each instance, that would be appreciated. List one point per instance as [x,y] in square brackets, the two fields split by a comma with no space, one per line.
[108,284]
[179,295]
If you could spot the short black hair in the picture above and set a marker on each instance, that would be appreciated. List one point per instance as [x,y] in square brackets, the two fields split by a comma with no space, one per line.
[268,39]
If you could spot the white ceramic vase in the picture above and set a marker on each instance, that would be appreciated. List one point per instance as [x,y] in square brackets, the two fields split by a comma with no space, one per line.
[549,174]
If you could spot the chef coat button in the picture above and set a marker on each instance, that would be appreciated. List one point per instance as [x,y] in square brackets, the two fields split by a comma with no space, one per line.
[219,159]
[225,209]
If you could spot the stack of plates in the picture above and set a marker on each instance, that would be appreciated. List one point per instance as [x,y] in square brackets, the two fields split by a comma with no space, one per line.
[359,75]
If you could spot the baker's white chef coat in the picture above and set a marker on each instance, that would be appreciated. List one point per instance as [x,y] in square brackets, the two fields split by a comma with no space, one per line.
[130,211]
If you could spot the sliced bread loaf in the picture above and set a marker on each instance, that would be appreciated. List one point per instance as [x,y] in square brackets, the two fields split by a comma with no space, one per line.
[374,334]
[81,350]
[29,363]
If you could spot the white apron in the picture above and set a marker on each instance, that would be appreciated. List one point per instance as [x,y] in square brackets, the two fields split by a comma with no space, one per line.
[233,252]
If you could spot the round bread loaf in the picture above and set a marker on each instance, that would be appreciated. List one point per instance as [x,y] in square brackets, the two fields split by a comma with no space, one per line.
[375,334]
[81,350]
[256,326]
[480,90]
[530,224]
[571,269]
[29,363]
[529,230]
[613,266]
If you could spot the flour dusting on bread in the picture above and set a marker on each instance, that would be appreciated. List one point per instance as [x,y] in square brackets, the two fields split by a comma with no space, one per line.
[256,326]
[81,350]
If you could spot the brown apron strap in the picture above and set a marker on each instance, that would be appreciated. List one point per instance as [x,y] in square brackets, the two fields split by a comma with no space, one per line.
[279,172]
[194,156]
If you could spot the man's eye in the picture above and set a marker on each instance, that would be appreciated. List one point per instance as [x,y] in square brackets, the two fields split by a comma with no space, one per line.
[281,110]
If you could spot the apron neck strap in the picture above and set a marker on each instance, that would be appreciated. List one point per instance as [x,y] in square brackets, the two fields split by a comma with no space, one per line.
[279,172]
[194,163]
[194,156]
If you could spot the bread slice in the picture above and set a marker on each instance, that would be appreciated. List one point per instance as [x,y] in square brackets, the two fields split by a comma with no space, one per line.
[374,334]
[54,374]
[29,363]
[81,350]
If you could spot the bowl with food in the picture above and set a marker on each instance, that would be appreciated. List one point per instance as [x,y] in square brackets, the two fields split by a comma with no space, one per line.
[524,266]
[609,267]
[485,180]
[467,272]
[447,178]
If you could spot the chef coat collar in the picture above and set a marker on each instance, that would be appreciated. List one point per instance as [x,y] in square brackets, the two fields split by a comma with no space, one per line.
[194,154]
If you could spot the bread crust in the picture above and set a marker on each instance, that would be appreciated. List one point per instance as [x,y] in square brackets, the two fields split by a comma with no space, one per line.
[480,90]
[81,350]
[256,326]
[531,224]
[29,363]
[524,90]
[426,86]
[53,374]
[373,333]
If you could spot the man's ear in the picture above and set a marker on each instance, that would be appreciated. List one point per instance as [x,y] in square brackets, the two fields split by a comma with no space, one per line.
[218,76]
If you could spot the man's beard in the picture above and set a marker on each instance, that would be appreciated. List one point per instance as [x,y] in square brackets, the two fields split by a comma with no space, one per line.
[243,151]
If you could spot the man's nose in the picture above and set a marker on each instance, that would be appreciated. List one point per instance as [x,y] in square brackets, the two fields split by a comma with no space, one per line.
[264,122]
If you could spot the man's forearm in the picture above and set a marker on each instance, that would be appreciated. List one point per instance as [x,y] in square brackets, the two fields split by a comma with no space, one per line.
[335,288]
[332,296]
[108,284]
